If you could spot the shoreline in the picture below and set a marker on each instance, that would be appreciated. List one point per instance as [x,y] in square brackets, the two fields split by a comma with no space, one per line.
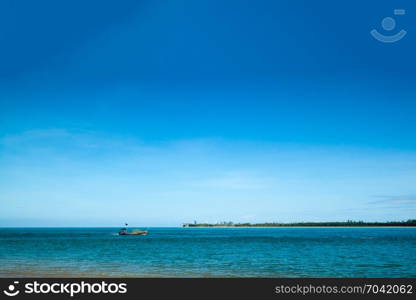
[245,227]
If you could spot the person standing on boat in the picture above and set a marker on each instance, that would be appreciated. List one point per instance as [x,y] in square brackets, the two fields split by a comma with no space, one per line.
[123,231]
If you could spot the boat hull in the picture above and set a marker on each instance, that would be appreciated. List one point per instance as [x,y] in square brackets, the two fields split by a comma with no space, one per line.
[133,233]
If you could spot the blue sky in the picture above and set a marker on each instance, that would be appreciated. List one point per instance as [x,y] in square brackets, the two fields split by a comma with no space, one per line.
[164,112]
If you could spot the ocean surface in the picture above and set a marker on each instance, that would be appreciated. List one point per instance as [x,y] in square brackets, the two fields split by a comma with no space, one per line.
[217,252]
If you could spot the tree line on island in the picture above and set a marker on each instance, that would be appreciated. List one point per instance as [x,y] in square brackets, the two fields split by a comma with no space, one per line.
[349,223]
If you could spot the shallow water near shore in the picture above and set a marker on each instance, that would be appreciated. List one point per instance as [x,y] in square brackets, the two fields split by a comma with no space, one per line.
[215,252]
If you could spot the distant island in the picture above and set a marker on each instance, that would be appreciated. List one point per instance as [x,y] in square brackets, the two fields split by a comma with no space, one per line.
[408,223]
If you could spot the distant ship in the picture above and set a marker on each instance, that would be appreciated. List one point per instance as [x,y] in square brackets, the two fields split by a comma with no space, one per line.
[123,231]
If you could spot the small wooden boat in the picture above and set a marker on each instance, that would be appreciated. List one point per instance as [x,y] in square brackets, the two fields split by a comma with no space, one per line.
[123,231]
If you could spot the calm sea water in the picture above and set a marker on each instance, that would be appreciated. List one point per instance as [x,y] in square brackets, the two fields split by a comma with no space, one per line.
[196,252]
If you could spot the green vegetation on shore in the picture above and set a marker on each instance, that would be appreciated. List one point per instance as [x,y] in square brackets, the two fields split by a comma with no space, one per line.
[408,223]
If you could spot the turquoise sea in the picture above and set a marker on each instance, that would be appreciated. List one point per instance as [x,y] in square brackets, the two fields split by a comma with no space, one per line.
[217,252]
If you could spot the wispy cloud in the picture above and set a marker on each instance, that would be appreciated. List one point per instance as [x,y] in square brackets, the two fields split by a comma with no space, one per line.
[235,181]
[394,199]
[90,174]
[58,137]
